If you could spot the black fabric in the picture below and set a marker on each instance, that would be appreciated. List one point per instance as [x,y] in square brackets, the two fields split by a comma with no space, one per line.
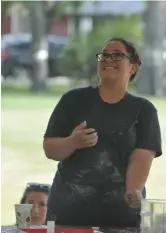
[64,117]
[92,181]
[148,129]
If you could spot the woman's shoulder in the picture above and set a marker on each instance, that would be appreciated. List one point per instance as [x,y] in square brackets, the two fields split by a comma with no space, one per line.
[145,103]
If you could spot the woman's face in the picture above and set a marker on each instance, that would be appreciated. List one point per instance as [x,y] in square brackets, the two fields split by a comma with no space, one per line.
[115,71]
[39,210]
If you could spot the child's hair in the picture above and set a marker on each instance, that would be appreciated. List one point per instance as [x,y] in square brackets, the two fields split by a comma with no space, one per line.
[34,187]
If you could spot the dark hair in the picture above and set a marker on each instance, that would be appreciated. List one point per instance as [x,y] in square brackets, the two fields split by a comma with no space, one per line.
[34,187]
[131,51]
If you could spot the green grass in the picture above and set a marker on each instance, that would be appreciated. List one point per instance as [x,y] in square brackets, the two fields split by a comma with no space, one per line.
[24,119]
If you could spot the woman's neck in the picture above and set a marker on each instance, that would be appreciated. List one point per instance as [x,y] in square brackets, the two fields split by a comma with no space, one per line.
[111,94]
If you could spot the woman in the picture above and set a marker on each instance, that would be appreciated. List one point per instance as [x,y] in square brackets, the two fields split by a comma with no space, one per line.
[105,140]
[37,194]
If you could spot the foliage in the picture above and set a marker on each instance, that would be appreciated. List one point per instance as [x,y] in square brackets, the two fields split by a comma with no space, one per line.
[53,9]
[78,59]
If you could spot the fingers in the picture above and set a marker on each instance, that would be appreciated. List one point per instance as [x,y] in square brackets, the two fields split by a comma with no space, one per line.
[82,126]
[91,142]
[134,203]
[133,198]
[88,131]
[88,137]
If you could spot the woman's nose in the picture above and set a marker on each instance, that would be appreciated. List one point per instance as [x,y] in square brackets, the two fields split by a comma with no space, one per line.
[35,209]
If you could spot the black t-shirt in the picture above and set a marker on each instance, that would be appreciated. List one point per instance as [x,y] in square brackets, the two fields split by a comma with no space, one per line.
[99,172]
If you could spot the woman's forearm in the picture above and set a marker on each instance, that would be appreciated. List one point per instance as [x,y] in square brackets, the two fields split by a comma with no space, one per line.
[58,148]
[138,169]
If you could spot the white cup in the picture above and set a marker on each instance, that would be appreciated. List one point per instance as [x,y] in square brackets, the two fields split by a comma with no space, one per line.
[23,215]
[50,226]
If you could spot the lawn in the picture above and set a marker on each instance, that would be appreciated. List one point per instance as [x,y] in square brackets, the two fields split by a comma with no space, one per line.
[24,120]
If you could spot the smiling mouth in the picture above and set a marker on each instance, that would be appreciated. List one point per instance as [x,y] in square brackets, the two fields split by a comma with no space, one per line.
[110,68]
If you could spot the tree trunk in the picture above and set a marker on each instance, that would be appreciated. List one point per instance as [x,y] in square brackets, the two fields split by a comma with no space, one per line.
[151,77]
[39,46]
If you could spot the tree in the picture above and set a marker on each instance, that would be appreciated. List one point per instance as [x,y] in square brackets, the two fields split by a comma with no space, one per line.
[79,56]
[39,45]
[52,9]
[5,5]
[42,14]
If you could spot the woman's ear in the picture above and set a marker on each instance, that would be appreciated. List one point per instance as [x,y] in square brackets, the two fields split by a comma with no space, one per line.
[135,68]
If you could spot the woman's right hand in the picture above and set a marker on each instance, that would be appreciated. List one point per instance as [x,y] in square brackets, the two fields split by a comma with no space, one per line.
[83,137]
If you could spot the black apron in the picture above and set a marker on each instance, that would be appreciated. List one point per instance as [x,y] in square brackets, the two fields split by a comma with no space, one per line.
[89,187]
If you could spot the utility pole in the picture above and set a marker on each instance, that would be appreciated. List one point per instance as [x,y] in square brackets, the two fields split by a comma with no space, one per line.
[39,45]
[151,78]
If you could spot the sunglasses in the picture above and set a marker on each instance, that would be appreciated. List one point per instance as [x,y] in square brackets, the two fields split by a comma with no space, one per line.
[38,185]
[117,56]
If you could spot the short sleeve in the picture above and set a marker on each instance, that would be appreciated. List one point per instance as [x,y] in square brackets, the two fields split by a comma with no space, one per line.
[148,129]
[59,124]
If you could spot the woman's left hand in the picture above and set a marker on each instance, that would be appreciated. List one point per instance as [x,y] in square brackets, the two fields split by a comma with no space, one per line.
[133,198]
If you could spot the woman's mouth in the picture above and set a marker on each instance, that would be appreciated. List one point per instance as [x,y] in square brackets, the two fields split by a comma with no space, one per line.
[36,218]
[110,68]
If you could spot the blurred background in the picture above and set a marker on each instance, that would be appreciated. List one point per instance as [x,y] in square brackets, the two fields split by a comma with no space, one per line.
[49,47]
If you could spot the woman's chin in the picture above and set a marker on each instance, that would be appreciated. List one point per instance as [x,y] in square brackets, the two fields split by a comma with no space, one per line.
[36,222]
[109,78]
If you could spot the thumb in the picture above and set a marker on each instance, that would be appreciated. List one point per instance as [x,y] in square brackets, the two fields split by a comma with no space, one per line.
[81,126]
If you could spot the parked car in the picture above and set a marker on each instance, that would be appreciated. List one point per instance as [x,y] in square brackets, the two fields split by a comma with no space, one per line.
[16,54]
